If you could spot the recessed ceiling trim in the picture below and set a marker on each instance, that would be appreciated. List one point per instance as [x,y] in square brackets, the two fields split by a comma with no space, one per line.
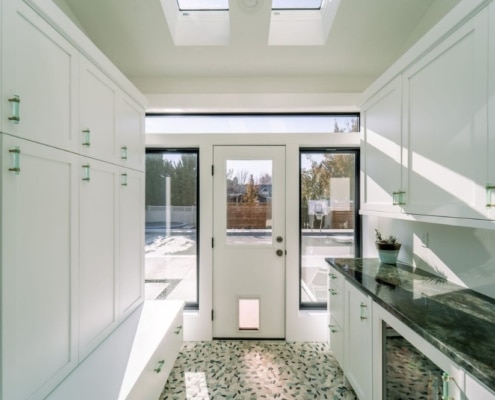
[196,28]
[203,5]
[302,28]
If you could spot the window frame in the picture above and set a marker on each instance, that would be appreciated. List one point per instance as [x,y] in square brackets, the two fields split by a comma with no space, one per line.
[188,305]
[357,217]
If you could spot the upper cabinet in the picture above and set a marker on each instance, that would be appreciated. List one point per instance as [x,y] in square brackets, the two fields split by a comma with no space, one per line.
[445,120]
[428,145]
[490,178]
[129,127]
[111,124]
[39,79]
[381,150]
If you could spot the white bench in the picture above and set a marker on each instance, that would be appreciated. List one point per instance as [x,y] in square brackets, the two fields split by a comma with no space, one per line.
[133,363]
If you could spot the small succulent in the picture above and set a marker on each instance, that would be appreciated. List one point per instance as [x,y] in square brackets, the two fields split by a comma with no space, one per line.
[390,240]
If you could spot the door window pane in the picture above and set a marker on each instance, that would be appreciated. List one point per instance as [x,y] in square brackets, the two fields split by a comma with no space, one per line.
[328,196]
[171,246]
[249,202]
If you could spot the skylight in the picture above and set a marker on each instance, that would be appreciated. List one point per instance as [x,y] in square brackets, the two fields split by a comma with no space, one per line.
[296,4]
[203,5]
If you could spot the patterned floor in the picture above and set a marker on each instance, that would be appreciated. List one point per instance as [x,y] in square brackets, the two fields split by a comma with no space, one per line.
[250,370]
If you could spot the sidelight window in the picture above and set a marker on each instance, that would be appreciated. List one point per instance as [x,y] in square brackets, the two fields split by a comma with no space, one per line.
[328,224]
[171,243]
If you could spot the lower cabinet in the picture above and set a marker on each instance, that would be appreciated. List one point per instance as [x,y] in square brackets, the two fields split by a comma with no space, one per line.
[476,391]
[38,194]
[128,364]
[156,346]
[358,346]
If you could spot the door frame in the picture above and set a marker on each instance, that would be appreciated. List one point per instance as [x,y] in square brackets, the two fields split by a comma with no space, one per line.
[244,260]
[301,325]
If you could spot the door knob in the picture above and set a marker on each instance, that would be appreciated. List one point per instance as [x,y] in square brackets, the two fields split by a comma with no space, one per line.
[280,239]
[280,252]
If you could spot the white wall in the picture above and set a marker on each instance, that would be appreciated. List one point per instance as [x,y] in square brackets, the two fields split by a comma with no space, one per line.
[464,255]
[300,325]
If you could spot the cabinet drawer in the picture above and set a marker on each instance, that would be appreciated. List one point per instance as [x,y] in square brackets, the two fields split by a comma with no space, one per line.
[154,375]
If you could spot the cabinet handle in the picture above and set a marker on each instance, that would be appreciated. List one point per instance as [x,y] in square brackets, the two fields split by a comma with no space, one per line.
[178,329]
[123,179]
[15,101]
[158,369]
[489,194]
[332,276]
[333,292]
[16,155]
[445,386]
[332,329]
[398,198]
[123,152]
[86,137]
[363,307]
[86,173]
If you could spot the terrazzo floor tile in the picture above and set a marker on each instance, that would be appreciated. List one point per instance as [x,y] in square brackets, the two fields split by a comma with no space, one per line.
[251,370]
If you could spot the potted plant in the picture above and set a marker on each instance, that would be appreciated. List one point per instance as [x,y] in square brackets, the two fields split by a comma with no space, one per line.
[388,248]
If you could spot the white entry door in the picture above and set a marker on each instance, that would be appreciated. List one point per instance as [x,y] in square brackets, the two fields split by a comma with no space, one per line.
[249,242]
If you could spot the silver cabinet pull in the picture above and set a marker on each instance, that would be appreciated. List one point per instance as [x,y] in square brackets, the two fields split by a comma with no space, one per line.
[398,198]
[333,292]
[86,173]
[178,329]
[332,276]
[332,328]
[158,369]
[123,179]
[16,155]
[445,386]
[489,195]
[86,137]
[15,101]
[123,152]
[363,307]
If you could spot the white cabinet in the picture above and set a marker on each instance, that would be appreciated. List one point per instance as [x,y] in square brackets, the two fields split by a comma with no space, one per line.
[129,127]
[38,267]
[97,252]
[97,118]
[381,150]
[111,125]
[39,79]
[131,239]
[475,390]
[358,360]
[336,318]
[157,344]
[445,120]
[490,178]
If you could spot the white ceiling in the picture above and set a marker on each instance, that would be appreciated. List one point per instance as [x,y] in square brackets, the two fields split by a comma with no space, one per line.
[366,37]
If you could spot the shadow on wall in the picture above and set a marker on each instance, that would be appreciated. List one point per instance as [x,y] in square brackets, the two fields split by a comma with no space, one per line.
[465,256]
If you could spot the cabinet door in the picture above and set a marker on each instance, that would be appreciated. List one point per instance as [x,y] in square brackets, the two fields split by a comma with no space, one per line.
[129,124]
[382,151]
[445,119]
[39,239]
[358,365]
[39,79]
[490,178]
[337,340]
[97,118]
[475,390]
[131,239]
[97,252]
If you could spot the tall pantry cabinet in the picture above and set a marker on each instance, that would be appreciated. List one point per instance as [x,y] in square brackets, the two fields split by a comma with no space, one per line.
[71,200]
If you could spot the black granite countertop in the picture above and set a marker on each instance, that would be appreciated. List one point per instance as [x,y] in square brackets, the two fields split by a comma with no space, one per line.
[457,321]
